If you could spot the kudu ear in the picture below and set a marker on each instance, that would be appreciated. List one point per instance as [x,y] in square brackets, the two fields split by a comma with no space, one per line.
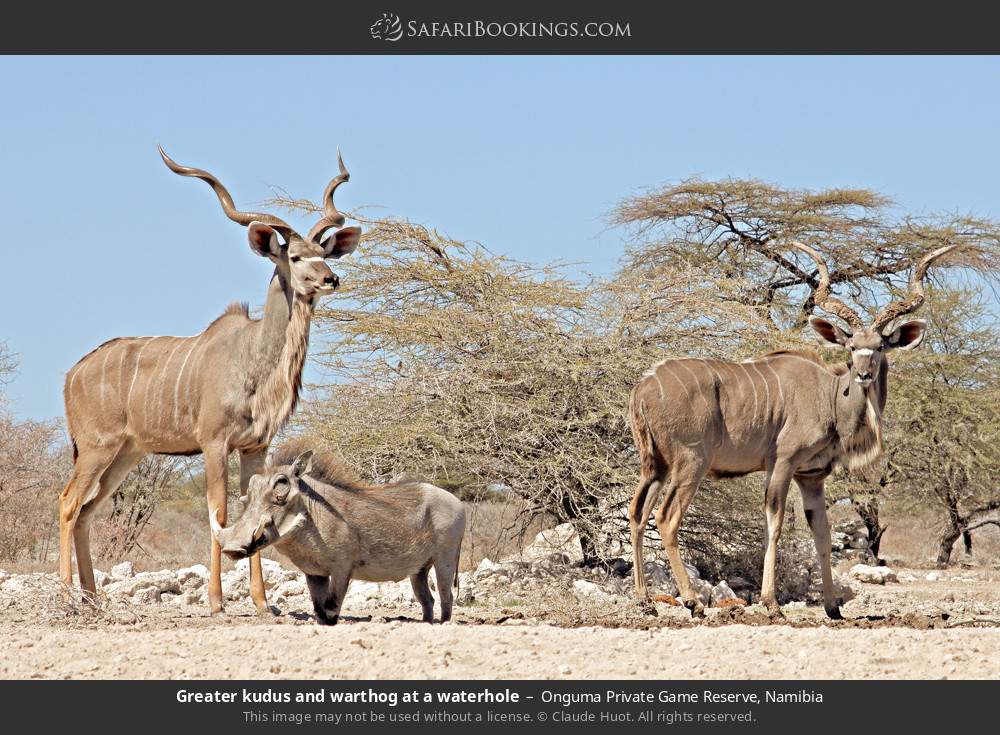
[342,242]
[829,332]
[263,240]
[907,335]
[302,464]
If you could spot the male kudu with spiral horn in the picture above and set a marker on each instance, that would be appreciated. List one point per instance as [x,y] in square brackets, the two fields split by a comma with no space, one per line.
[786,414]
[229,388]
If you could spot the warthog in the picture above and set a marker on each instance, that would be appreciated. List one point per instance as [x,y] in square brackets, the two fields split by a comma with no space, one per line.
[336,528]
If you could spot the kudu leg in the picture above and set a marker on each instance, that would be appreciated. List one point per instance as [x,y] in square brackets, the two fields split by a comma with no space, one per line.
[684,484]
[638,515]
[814,504]
[215,484]
[250,464]
[778,480]
[109,481]
[81,488]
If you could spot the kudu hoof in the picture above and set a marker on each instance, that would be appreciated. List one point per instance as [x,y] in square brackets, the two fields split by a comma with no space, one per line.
[696,608]
[774,612]
[834,613]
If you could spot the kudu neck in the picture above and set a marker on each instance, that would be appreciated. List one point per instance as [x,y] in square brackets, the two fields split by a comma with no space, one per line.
[278,352]
[277,309]
[858,417]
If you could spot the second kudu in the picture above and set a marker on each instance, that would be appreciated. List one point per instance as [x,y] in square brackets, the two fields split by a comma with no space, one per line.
[229,388]
[786,414]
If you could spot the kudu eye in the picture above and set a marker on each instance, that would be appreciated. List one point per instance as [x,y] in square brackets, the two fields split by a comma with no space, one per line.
[295,258]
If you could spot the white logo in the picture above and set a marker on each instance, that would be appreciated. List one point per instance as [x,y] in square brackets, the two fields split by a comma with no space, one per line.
[387,28]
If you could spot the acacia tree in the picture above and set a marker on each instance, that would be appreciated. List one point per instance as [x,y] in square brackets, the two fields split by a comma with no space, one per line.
[732,231]
[945,426]
[473,369]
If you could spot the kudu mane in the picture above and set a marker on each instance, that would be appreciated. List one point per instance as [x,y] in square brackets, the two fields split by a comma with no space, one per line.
[812,356]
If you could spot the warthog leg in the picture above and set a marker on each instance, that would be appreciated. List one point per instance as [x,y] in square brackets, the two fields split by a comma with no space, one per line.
[444,572]
[422,591]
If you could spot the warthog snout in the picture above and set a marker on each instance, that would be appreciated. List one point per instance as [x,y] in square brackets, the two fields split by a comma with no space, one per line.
[235,551]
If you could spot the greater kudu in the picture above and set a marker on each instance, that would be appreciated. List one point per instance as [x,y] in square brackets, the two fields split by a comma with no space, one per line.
[229,388]
[786,414]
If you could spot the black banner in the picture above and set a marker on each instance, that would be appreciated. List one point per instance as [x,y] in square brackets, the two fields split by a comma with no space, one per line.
[225,706]
[512,27]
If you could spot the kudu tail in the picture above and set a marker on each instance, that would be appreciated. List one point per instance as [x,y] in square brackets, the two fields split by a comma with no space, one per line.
[645,495]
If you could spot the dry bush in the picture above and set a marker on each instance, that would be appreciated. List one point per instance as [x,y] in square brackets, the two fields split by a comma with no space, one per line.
[133,503]
[34,466]
[474,370]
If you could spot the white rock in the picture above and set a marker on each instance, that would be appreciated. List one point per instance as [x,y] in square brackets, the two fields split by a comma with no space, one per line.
[235,585]
[562,539]
[102,579]
[14,584]
[588,590]
[291,588]
[872,575]
[676,612]
[146,596]
[933,576]
[188,597]
[859,541]
[840,540]
[163,581]
[487,567]
[274,573]
[722,591]
[193,577]
[125,570]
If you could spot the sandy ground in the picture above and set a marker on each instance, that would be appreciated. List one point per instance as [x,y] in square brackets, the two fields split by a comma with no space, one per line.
[415,650]
[948,628]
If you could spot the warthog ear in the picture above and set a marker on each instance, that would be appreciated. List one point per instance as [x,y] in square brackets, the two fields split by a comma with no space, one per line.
[907,335]
[829,332]
[302,464]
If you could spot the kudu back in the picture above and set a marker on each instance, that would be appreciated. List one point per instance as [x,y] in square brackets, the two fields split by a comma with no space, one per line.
[786,414]
[229,388]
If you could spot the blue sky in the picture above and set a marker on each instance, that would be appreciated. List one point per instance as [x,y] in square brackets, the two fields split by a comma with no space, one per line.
[524,154]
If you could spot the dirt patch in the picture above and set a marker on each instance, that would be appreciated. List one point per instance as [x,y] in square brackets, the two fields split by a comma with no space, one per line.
[918,628]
